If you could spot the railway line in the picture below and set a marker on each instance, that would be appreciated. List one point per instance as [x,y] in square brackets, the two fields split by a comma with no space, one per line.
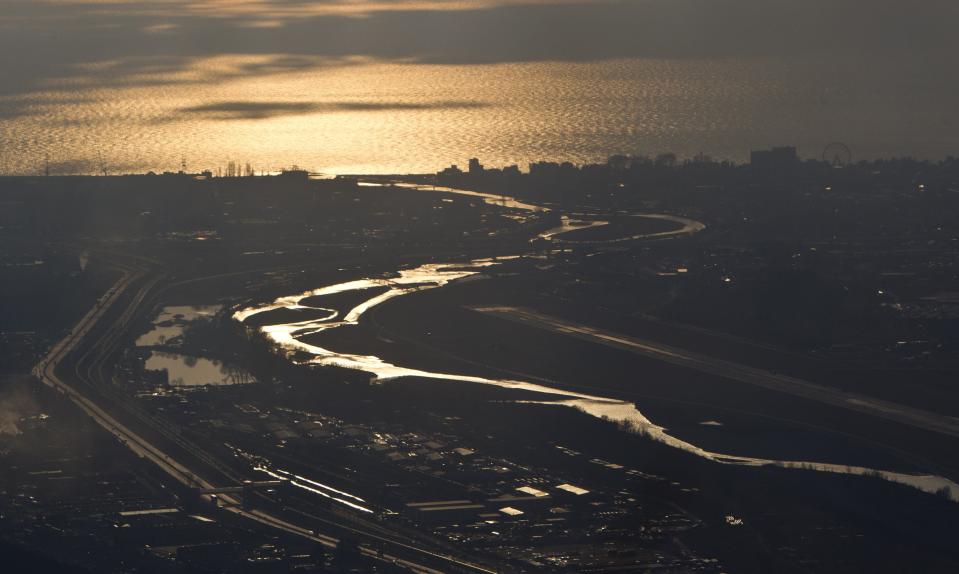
[77,366]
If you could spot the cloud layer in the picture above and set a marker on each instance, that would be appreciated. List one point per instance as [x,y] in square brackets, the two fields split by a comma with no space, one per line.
[43,42]
[258,110]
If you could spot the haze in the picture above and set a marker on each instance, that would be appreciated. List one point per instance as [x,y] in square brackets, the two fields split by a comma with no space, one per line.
[479,286]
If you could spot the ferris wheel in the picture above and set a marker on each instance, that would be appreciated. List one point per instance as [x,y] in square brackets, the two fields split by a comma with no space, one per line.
[837,154]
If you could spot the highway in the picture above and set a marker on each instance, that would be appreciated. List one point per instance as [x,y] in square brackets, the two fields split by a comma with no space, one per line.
[902,414]
[85,351]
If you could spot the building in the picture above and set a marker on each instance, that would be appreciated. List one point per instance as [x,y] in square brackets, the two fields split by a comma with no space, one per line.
[774,161]
[475,167]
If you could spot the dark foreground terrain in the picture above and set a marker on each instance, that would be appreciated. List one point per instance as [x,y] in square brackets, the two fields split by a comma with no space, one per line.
[161,434]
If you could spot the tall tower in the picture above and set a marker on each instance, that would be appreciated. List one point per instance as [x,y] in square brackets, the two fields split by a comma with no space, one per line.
[475,167]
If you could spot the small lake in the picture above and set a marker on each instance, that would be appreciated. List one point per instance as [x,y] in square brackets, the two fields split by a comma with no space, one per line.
[187,371]
[169,324]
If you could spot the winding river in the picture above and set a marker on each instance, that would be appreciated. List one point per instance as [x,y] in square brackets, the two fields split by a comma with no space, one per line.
[289,336]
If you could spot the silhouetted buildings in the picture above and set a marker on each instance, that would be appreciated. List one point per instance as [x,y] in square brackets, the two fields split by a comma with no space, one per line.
[776,161]
[475,167]
[451,172]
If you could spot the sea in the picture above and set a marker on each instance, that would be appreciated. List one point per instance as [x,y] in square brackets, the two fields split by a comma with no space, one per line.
[365,116]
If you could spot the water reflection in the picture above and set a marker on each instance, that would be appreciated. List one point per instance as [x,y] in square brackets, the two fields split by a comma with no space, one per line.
[187,371]
[685,226]
[289,335]
[488,198]
[593,109]
[431,276]
[567,224]
[633,420]
[169,324]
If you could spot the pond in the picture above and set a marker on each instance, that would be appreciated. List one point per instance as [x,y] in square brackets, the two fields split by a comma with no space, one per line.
[187,371]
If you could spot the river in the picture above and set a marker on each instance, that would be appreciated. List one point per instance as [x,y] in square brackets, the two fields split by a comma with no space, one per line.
[289,336]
